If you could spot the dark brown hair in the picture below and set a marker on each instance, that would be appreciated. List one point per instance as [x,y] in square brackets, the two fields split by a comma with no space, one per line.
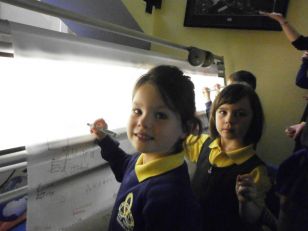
[232,94]
[177,91]
[244,77]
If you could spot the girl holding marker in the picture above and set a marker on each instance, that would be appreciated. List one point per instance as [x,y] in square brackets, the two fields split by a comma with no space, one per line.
[155,192]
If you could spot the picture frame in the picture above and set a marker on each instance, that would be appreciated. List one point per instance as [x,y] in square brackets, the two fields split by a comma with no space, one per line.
[237,14]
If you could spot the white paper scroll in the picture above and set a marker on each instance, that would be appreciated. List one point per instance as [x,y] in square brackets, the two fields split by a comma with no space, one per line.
[71,186]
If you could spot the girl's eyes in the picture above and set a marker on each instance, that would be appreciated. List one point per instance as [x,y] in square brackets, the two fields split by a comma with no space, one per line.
[161,115]
[236,114]
[157,115]
[240,114]
[136,111]
[222,112]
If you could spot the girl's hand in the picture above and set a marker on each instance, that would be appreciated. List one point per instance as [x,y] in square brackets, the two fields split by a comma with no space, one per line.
[245,188]
[290,131]
[206,93]
[305,97]
[217,88]
[305,55]
[95,128]
[273,15]
[293,131]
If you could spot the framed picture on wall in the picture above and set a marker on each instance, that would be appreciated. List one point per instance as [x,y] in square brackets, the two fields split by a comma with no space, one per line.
[239,14]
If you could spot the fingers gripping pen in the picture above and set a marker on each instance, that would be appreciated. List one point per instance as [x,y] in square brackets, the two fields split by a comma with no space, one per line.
[104,130]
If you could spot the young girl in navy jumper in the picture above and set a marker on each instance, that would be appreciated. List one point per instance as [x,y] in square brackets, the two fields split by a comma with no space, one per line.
[292,188]
[155,192]
[236,124]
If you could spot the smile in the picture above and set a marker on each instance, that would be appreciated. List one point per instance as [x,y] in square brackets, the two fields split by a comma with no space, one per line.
[144,136]
[227,130]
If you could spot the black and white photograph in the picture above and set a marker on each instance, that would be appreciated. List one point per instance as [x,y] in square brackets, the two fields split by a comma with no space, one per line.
[241,14]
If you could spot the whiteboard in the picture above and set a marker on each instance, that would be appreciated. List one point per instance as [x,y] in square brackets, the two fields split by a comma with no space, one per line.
[70,186]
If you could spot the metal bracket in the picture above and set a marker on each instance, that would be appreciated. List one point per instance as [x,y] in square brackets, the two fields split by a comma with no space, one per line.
[6,41]
[198,57]
[150,4]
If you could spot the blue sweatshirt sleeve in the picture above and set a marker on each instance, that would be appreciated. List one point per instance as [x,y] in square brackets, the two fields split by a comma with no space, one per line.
[302,75]
[208,106]
[292,177]
[117,158]
[301,43]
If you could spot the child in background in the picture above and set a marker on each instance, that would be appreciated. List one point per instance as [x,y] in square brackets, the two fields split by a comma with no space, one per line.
[236,124]
[295,130]
[292,187]
[236,77]
[243,76]
[155,192]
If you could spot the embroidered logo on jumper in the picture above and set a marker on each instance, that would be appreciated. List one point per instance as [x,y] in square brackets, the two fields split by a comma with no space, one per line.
[125,217]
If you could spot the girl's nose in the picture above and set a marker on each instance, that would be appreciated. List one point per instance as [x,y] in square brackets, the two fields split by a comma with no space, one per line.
[230,118]
[145,121]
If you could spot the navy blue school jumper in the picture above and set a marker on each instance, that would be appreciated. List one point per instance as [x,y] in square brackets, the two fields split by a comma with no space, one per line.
[301,43]
[292,182]
[215,189]
[302,82]
[302,75]
[156,196]
[292,177]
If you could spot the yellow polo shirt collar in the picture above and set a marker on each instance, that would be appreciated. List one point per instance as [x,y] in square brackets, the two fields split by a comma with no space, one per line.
[158,166]
[223,159]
